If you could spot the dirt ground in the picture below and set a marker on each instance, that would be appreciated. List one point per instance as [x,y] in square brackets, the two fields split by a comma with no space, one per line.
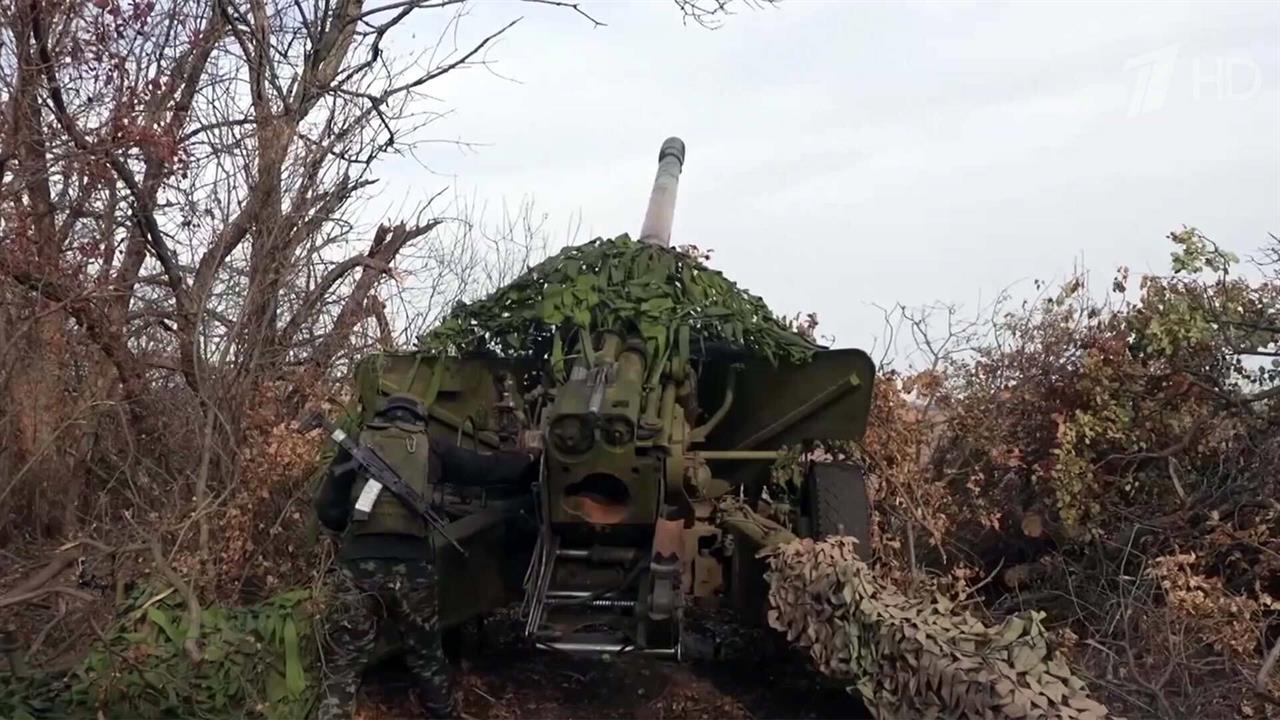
[506,678]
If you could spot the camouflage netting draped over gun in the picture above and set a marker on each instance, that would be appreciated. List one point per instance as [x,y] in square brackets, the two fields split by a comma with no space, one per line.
[915,657]
[622,285]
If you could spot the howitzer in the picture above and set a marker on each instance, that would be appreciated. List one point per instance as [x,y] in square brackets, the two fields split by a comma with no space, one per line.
[635,522]
[656,489]
[381,476]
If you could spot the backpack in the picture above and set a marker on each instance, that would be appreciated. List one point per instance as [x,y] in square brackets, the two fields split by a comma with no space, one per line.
[405,447]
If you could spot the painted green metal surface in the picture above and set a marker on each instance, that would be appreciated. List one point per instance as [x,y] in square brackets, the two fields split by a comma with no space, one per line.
[498,540]
[828,398]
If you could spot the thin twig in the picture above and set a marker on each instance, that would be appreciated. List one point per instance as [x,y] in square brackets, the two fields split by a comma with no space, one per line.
[1264,675]
[44,632]
[977,587]
[28,596]
[576,7]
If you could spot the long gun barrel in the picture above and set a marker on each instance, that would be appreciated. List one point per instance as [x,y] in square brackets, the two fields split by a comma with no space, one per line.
[662,200]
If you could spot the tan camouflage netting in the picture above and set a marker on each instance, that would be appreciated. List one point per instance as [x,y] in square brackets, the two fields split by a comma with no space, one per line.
[915,657]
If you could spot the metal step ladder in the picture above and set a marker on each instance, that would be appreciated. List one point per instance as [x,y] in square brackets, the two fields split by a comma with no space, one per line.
[541,596]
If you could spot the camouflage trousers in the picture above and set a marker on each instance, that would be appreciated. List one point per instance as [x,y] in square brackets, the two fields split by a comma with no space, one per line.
[372,591]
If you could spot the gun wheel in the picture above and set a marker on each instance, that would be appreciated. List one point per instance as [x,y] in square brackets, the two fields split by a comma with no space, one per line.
[836,502]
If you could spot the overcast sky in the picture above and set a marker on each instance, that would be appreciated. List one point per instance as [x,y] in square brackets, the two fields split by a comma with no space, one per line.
[845,153]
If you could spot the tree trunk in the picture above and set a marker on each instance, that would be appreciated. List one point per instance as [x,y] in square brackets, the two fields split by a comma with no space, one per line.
[35,391]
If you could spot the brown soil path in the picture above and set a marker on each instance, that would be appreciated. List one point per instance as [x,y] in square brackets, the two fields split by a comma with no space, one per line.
[510,680]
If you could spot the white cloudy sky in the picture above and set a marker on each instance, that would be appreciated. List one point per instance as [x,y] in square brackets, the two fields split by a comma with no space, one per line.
[845,153]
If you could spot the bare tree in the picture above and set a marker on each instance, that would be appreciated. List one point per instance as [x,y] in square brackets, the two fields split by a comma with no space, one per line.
[180,181]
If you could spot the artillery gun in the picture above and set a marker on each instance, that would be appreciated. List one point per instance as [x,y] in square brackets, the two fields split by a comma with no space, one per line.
[654,491]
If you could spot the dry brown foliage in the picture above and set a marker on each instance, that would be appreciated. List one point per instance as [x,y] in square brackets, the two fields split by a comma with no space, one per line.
[1108,461]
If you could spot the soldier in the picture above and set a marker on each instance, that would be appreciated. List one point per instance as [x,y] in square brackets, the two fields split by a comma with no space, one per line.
[387,560]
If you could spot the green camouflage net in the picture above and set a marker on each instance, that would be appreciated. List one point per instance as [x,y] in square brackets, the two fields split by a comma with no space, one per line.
[658,293]
[915,657]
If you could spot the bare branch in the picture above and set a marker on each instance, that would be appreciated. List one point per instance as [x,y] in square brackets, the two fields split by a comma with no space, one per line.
[576,7]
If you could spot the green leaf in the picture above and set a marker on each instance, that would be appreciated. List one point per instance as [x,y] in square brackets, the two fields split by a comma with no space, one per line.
[657,305]
[652,331]
[557,355]
[275,686]
[291,598]
[156,616]
[294,680]
[214,653]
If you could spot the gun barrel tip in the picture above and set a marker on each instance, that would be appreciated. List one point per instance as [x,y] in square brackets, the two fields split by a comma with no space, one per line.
[673,146]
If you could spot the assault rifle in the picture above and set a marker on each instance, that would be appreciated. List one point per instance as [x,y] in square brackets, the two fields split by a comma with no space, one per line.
[380,476]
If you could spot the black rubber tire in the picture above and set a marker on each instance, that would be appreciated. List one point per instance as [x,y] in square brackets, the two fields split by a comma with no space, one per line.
[837,504]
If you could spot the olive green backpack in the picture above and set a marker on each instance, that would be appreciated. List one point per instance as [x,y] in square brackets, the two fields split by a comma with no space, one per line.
[405,447]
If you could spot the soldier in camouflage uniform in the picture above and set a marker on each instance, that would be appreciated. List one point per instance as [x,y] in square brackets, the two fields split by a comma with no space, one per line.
[386,563]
